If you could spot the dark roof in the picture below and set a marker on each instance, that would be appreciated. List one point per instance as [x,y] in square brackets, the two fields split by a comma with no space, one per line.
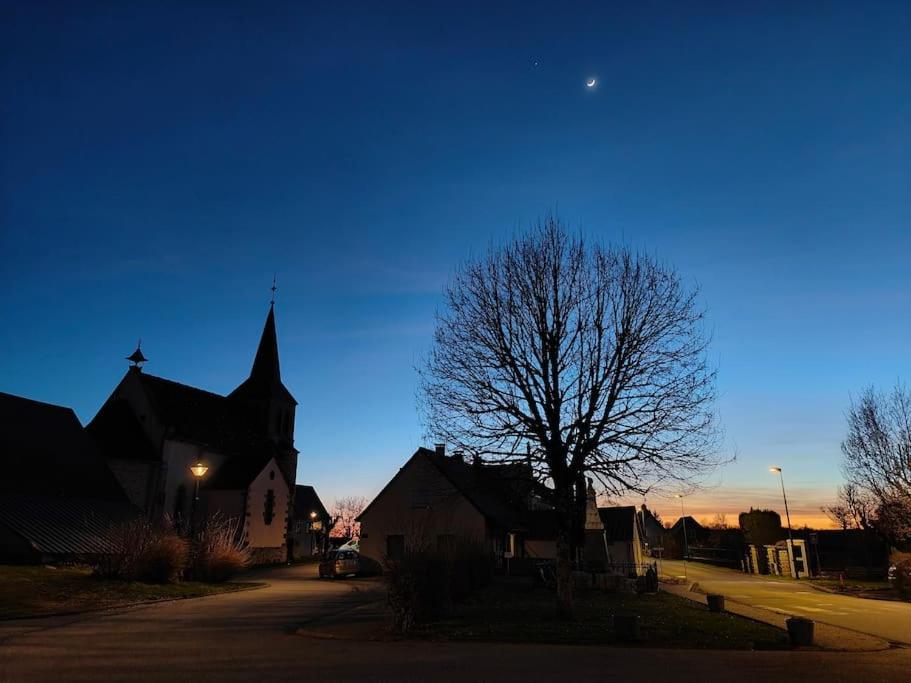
[265,380]
[486,487]
[63,526]
[306,501]
[618,522]
[203,417]
[118,433]
[44,450]
[238,473]
[691,524]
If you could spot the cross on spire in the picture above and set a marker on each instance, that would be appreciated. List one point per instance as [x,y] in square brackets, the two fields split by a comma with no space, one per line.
[274,289]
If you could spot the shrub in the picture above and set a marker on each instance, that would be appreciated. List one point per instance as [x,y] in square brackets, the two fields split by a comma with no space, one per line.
[164,558]
[218,550]
[424,582]
[140,550]
[901,577]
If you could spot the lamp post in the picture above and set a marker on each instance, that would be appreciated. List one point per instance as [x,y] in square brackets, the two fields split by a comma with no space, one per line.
[686,544]
[312,532]
[777,470]
[199,471]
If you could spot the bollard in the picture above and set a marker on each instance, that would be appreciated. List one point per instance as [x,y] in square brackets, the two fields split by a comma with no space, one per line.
[715,602]
[800,631]
[626,627]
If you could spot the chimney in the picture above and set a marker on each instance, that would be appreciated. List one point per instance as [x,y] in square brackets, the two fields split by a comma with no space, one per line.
[440,449]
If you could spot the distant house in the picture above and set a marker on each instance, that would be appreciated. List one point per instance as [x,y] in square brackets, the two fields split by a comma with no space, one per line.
[152,430]
[618,548]
[435,500]
[686,531]
[310,522]
[58,500]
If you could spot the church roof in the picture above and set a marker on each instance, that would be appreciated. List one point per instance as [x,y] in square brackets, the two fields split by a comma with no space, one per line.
[43,449]
[265,380]
[118,433]
[202,417]
[236,474]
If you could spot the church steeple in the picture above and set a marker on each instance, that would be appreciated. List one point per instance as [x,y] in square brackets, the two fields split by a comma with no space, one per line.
[265,380]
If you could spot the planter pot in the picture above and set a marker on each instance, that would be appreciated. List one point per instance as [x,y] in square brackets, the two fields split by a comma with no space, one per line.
[800,631]
[715,603]
[626,627]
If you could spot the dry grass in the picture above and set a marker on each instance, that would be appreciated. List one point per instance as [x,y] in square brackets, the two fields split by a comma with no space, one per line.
[41,590]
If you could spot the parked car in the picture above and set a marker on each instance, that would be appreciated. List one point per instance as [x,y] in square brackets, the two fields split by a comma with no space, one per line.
[339,563]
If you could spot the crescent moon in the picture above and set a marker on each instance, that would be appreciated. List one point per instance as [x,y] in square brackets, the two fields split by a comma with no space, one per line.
[591,82]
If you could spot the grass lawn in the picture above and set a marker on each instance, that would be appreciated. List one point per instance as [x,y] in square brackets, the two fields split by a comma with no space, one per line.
[509,611]
[39,590]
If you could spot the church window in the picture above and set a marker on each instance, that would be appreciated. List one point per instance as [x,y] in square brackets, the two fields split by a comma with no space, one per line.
[269,507]
[272,474]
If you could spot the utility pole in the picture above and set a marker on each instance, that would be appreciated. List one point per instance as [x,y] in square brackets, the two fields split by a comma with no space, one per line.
[794,572]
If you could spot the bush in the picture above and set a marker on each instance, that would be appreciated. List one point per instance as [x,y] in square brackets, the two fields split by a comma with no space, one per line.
[900,573]
[218,551]
[423,584]
[163,559]
[140,550]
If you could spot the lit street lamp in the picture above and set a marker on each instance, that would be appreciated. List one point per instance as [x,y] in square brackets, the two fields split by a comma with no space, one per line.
[777,470]
[199,471]
[686,545]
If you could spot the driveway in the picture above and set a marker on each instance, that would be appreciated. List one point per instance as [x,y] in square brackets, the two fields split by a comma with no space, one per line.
[881,618]
[249,637]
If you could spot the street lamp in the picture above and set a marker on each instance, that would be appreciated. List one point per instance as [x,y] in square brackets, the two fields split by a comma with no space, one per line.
[777,470]
[199,471]
[686,544]
[312,533]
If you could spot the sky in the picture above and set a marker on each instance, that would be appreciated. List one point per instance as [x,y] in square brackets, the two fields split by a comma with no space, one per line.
[159,162]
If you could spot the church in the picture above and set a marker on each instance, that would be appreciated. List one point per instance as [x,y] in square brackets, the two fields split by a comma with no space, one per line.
[185,454]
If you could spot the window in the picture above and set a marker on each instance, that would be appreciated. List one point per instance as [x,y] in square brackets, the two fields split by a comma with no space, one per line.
[395,547]
[271,474]
[269,507]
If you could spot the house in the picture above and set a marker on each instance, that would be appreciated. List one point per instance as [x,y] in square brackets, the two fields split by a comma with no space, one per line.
[310,524]
[151,431]
[623,538]
[58,500]
[436,500]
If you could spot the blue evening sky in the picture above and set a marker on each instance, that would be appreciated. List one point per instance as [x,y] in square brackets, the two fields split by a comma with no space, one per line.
[159,161]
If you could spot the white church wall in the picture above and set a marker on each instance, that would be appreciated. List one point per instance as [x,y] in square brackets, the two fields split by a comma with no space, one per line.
[260,532]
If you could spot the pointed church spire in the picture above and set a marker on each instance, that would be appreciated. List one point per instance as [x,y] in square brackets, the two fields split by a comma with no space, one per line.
[265,380]
[265,364]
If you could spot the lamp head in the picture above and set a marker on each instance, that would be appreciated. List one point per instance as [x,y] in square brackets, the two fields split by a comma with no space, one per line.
[199,470]
[775,470]
[313,515]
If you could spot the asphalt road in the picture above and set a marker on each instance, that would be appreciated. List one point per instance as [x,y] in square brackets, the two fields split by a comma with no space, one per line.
[882,618]
[249,636]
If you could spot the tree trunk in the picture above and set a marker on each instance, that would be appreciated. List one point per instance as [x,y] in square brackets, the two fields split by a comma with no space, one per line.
[564,575]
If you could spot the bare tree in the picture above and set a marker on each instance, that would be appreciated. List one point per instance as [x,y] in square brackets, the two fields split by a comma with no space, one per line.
[344,516]
[583,359]
[853,509]
[877,460]
[719,521]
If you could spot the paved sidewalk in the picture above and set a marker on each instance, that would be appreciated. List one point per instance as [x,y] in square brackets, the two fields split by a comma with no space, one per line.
[826,637]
